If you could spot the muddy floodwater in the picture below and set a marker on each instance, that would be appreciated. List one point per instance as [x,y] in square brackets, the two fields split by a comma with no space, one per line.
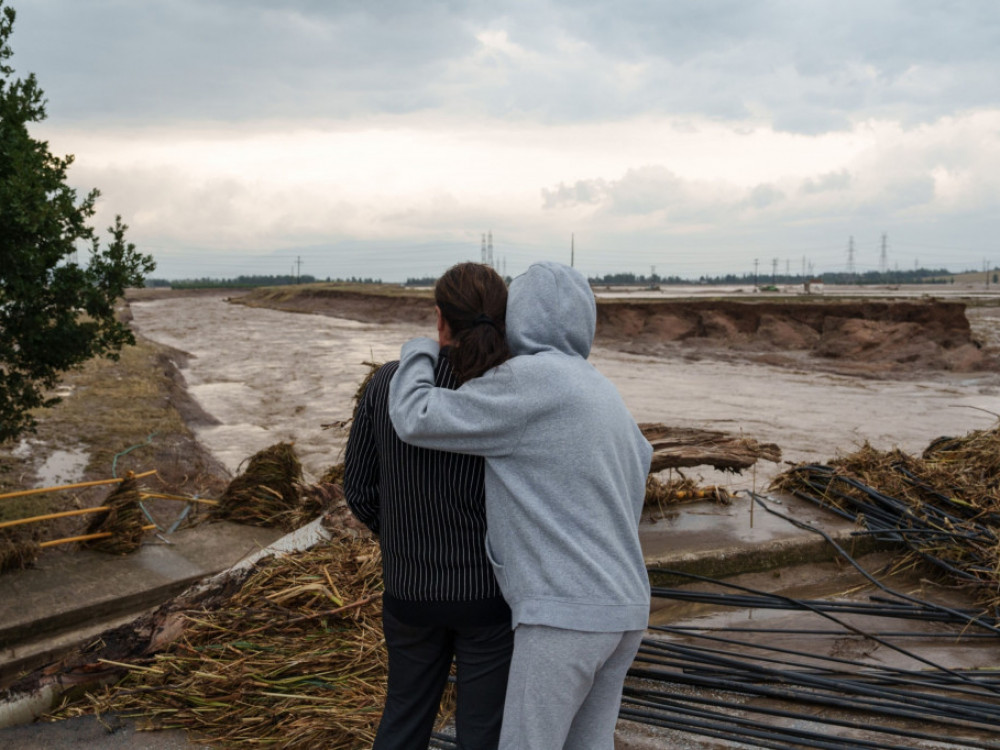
[266,376]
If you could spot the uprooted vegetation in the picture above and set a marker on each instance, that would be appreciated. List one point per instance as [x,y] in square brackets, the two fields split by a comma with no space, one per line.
[291,656]
[943,506]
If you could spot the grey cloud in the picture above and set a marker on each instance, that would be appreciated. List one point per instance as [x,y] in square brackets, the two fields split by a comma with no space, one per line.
[640,191]
[830,181]
[582,192]
[212,60]
[809,67]
[762,196]
[646,190]
[655,190]
[907,192]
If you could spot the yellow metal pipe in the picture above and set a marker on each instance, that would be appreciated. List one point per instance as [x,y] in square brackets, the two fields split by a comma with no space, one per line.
[51,516]
[77,486]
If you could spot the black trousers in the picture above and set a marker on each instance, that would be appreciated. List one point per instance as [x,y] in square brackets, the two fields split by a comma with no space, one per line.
[419,660]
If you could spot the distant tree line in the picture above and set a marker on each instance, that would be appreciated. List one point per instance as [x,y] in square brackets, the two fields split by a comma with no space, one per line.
[239,281]
[631,279]
[914,276]
[242,282]
[354,280]
[421,281]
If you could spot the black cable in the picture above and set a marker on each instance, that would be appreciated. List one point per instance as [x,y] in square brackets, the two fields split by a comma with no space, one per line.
[802,525]
[778,713]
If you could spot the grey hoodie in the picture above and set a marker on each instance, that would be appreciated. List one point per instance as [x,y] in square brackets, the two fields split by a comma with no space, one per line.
[566,464]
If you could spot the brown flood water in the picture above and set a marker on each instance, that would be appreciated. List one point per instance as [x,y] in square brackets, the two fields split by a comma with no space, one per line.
[267,376]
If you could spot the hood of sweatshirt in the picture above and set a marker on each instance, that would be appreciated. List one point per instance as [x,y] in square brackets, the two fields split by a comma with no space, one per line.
[550,307]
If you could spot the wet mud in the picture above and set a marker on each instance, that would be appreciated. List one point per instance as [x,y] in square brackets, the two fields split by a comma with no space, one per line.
[873,338]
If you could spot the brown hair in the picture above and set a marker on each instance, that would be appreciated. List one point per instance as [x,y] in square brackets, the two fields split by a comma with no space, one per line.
[472,298]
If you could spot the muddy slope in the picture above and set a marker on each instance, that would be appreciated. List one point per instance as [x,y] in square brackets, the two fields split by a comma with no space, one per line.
[397,306]
[870,337]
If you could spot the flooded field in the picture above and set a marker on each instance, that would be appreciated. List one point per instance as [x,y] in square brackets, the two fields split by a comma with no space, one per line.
[266,376]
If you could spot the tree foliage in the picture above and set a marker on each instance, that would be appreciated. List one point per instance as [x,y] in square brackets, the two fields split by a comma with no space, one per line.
[55,313]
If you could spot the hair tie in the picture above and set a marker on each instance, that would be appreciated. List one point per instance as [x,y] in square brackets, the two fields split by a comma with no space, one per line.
[484,320]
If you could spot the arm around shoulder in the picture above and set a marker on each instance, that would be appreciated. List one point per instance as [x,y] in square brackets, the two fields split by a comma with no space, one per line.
[483,417]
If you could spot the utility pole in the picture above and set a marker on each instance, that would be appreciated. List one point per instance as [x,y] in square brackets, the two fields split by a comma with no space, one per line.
[774,271]
[755,262]
[482,251]
[850,257]
[883,261]
[298,272]
[986,272]
[489,249]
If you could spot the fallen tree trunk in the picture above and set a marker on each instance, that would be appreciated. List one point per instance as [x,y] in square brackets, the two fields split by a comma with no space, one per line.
[677,447]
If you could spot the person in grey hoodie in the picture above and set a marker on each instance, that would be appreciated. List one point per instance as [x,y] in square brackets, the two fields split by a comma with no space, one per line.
[566,469]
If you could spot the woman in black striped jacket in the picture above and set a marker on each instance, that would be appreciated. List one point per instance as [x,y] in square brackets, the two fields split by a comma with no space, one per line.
[427,507]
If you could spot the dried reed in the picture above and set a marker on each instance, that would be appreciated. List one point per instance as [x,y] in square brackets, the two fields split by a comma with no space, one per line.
[17,554]
[943,506]
[677,491]
[294,659]
[373,367]
[266,493]
[334,475]
[123,520]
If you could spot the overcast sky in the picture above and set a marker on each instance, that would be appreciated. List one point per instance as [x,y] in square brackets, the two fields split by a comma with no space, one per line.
[383,138]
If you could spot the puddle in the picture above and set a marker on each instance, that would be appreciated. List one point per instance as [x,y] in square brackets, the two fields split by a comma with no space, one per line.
[62,467]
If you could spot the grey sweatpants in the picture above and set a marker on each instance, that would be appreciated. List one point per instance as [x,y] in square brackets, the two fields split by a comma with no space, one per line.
[565,688]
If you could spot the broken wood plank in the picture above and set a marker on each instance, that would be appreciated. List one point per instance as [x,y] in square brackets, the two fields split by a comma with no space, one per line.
[678,447]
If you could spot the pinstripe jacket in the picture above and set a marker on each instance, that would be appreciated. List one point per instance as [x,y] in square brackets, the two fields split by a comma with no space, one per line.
[426,506]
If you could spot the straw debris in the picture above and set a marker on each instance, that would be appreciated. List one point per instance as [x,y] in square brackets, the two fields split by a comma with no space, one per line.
[266,493]
[17,554]
[334,475]
[294,659]
[373,367]
[680,490]
[123,520]
[943,506]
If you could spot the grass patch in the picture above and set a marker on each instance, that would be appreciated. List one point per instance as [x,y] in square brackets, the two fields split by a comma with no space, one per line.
[123,415]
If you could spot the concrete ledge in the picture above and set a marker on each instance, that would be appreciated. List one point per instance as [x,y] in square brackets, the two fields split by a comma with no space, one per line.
[67,598]
[736,560]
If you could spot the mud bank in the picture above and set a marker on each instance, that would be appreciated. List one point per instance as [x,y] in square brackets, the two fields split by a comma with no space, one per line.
[393,306]
[851,336]
[859,336]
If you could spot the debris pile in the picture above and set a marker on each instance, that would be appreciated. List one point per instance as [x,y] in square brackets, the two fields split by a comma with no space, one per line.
[266,493]
[117,526]
[293,659]
[943,506]
[373,367]
[680,490]
[119,529]
[17,553]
